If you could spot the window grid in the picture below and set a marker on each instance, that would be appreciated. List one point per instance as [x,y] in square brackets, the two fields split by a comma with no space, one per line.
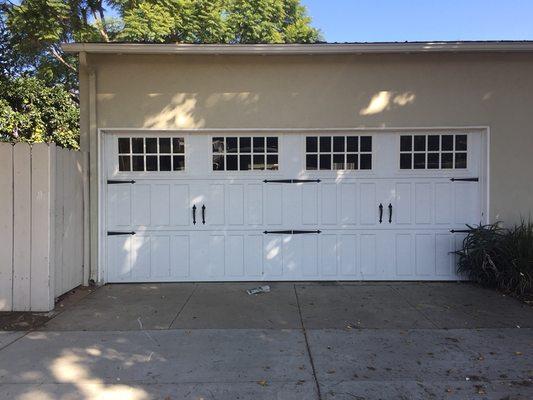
[342,153]
[245,153]
[434,151]
[151,154]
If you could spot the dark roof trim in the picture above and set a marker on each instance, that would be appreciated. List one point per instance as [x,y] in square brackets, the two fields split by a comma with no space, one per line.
[293,49]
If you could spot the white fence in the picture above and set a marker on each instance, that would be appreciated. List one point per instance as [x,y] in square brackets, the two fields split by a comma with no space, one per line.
[41,225]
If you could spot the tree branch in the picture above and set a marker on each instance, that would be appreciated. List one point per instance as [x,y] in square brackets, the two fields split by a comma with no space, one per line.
[58,56]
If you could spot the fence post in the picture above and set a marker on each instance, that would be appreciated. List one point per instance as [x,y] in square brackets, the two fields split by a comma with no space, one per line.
[6,227]
[42,201]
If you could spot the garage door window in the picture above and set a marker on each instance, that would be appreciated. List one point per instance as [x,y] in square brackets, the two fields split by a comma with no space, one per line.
[338,152]
[140,154]
[433,151]
[245,153]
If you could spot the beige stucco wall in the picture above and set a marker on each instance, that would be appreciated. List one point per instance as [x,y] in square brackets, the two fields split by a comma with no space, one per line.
[409,90]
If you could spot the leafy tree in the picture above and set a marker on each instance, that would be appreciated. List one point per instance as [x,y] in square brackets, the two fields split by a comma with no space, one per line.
[31,111]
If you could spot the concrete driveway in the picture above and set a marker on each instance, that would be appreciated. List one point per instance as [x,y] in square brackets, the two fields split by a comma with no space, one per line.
[300,341]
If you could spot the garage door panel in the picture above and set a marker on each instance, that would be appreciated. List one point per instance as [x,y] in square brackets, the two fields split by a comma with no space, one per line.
[348,206]
[309,209]
[328,206]
[216,202]
[368,255]
[403,204]
[160,204]
[444,204]
[467,201]
[253,255]
[328,255]
[160,256]
[404,254]
[292,248]
[235,209]
[423,203]
[445,259]
[180,208]
[348,250]
[180,260]
[273,261]
[254,204]
[425,254]
[310,256]
[235,255]
[216,256]
[369,204]
[119,258]
[273,204]
[119,200]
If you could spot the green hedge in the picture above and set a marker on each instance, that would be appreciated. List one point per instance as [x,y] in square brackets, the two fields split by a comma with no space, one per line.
[498,257]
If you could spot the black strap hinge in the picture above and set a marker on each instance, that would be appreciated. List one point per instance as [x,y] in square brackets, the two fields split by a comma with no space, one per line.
[116,233]
[464,179]
[116,182]
[460,230]
[292,180]
[291,232]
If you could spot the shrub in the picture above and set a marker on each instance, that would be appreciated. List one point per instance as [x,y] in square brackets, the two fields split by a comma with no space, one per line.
[498,257]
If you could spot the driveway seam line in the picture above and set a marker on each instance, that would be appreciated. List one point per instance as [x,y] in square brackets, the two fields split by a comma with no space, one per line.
[413,307]
[16,340]
[308,347]
[182,307]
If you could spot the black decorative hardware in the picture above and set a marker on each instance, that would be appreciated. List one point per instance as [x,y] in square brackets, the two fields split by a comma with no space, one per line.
[292,232]
[464,179]
[380,213]
[116,233]
[291,180]
[390,213]
[194,214]
[115,182]
[203,214]
[460,230]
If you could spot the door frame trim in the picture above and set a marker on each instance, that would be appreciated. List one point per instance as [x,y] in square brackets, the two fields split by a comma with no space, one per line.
[99,250]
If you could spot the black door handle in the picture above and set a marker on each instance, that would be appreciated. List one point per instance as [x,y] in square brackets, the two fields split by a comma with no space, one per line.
[380,213]
[390,213]
[194,214]
[203,214]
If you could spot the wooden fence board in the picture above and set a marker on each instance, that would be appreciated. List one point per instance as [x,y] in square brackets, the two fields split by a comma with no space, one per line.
[6,227]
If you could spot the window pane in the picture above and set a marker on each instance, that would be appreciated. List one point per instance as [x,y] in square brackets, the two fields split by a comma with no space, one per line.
[405,161]
[151,145]
[460,160]
[272,145]
[123,145]
[178,145]
[246,163]
[138,163]
[231,163]
[218,163]
[325,161]
[325,144]
[311,144]
[433,142]
[231,145]
[218,145]
[352,161]
[259,145]
[311,161]
[137,145]
[406,143]
[366,160]
[179,163]
[433,160]
[245,145]
[420,143]
[338,161]
[352,143]
[447,142]
[460,143]
[164,162]
[164,145]
[151,163]
[338,144]
[420,160]
[259,162]
[446,160]
[124,163]
[272,161]
[366,143]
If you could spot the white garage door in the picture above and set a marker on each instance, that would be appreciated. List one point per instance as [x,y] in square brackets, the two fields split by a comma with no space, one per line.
[295,206]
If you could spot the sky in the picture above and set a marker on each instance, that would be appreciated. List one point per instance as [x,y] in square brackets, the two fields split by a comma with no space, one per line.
[421,20]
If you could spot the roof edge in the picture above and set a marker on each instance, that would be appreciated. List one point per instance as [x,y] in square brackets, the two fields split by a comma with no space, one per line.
[305,49]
